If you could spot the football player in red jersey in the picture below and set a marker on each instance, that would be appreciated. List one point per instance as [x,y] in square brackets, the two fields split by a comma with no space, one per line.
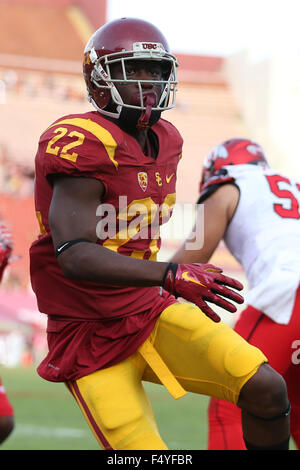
[255,210]
[6,409]
[103,188]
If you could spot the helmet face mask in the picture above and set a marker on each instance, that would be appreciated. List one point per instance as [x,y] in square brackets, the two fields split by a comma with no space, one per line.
[114,45]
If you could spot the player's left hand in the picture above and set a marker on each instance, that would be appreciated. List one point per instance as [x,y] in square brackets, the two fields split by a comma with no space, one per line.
[201,283]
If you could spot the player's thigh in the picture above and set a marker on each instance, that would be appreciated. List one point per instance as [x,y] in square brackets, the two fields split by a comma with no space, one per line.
[206,357]
[117,408]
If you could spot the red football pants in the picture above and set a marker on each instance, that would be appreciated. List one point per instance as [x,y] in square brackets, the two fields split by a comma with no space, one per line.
[281,345]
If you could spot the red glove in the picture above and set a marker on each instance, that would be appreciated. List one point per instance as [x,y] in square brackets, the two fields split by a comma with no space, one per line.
[6,246]
[201,283]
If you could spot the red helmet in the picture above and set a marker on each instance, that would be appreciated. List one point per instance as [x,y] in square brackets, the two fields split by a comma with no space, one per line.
[231,152]
[118,41]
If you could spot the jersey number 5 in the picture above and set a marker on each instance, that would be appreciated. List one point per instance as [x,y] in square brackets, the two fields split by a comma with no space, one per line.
[293,211]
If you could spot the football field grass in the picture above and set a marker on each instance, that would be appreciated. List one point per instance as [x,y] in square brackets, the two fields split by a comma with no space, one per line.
[47,417]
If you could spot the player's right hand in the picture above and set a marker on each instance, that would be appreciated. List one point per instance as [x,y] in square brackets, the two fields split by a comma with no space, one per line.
[202,283]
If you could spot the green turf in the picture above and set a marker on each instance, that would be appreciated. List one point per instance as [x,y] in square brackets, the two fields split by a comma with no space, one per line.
[47,417]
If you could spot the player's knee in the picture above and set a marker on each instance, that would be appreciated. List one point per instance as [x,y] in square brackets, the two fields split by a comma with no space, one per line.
[6,427]
[265,394]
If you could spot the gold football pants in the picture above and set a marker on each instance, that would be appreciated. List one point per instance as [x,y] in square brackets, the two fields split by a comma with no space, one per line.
[185,352]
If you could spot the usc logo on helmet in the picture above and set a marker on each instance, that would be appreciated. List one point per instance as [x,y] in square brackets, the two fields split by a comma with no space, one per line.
[149,45]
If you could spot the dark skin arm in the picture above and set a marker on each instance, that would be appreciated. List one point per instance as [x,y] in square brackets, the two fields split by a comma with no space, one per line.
[72,215]
[219,209]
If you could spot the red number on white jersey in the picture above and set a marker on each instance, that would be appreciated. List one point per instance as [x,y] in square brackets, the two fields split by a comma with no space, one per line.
[291,212]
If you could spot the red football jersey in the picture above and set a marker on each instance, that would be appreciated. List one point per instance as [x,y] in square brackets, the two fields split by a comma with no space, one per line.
[139,196]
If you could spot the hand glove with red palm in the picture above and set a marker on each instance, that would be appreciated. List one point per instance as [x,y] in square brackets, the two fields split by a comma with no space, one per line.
[6,247]
[201,283]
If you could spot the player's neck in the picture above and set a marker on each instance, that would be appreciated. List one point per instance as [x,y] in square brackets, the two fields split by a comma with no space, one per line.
[141,136]
[138,134]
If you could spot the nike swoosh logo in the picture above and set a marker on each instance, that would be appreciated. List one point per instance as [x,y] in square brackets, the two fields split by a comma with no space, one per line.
[188,278]
[61,247]
[168,178]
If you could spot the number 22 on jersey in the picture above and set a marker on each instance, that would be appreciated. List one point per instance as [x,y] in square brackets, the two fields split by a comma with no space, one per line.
[63,152]
[141,219]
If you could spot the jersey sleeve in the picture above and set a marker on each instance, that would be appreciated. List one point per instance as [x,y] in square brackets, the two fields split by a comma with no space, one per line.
[78,147]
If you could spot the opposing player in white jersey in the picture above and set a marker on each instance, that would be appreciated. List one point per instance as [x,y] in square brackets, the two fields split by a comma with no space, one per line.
[256,211]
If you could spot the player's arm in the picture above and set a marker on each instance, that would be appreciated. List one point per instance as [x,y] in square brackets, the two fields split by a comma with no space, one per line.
[219,209]
[72,216]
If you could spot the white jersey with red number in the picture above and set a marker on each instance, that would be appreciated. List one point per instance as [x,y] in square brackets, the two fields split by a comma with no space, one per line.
[264,236]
